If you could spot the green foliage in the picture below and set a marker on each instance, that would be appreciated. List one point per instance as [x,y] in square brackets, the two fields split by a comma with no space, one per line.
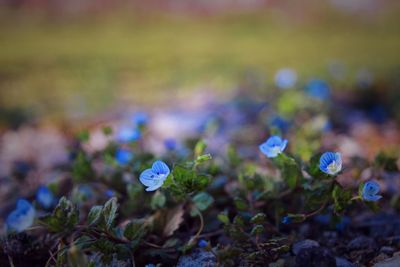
[291,171]
[64,217]
[223,217]
[83,136]
[94,215]
[109,213]
[158,200]
[341,198]
[259,218]
[202,200]
[386,162]
[134,231]
[257,230]
[199,148]
[183,181]
[82,168]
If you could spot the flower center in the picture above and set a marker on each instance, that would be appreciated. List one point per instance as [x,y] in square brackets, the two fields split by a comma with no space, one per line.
[333,167]
[276,149]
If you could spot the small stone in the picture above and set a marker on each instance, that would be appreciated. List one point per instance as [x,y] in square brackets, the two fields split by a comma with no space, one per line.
[342,262]
[387,250]
[278,263]
[361,242]
[391,262]
[197,258]
[304,244]
[315,257]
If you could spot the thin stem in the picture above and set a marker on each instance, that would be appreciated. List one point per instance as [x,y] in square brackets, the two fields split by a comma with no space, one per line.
[317,211]
[196,236]
[355,198]
[10,261]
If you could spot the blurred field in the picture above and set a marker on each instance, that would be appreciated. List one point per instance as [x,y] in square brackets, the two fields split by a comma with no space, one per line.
[86,64]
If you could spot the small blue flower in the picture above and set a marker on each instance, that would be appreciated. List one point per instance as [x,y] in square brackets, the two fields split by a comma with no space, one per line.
[123,156]
[22,217]
[279,123]
[140,118]
[286,220]
[370,191]
[128,134]
[85,192]
[170,144]
[45,197]
[285,78]
[318,89]
[202,243]
[273,146]
[154,178]
[330,163]
[109,193]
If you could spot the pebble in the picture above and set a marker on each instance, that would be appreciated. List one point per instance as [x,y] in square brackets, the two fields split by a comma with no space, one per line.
[342,262]
[304,244]
[391,262]
[315,257]
[197,258]
[361,242]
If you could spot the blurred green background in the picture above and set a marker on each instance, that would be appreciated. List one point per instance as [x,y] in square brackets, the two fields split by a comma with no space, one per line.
[59,64]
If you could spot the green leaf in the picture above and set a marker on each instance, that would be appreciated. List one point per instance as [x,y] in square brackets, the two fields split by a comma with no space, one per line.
[199,148]
[135,229]
[256,230]
[259,218]
[386,162]
[233,157]
[109,212]
[203,158]
[94,214]
[107,130]
[291,171]
[82,168]
[341,198]
[240,204]
[202,200]
[223,217]
[158,200]
[76,257]
[64,217]
[83,136]
[184,181]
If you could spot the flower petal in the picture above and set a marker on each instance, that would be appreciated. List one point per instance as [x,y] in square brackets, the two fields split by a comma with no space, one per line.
[159,167]
[158,184]
[148,178]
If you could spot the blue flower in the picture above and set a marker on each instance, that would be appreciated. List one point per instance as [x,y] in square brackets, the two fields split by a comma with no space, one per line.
[140,118]
[202,243]
[330,163]
[22,217]
[286,220]
[154,178]
[84,192]
[128,134]
[279,123]
[273,146]
[285,78]
[370,191]
[45,197]
[109,193]
[318,89]
[170,144]
[123,156]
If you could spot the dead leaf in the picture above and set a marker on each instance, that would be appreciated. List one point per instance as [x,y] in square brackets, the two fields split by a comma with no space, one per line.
[173,220]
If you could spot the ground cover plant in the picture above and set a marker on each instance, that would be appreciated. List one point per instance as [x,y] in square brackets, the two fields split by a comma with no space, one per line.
[276,178]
